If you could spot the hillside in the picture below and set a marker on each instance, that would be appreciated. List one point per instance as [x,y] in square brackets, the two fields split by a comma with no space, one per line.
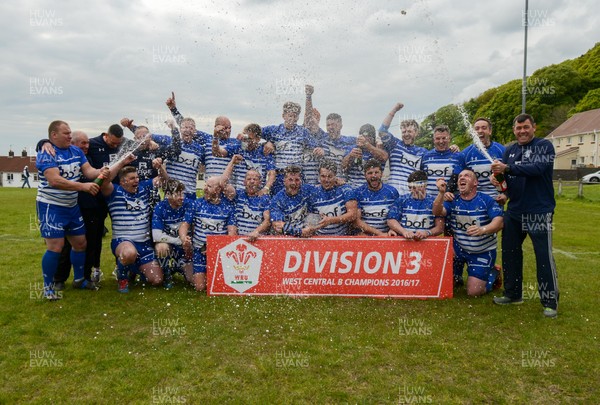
[554,93]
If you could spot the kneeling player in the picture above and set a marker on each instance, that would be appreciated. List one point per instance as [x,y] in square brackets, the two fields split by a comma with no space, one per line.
[167,218]
[475,218]
[211,215]
[130,209]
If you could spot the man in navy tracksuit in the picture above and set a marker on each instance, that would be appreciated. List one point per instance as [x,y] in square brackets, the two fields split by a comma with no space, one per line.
[527,167]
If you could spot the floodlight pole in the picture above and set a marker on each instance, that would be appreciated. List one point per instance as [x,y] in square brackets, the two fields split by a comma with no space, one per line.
[524,87]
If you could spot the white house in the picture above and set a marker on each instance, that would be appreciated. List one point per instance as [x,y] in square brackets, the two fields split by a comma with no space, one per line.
[576,141]
[11,169]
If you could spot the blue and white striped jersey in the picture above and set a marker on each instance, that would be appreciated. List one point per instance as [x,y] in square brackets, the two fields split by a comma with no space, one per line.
[404,159]
[472,158]
[375,205]
[438,165]
[310,162]
[289,144]
[215,165]
[209,219]
[356,173]
[292,210]
[249,211]
[332,203]
[336,149]
[186,165]
[479,211]
[413,214]
[168,219]
[253,159]
[68,161]
[130,213]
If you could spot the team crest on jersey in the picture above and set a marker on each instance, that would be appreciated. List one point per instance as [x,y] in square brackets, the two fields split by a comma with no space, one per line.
[241,265]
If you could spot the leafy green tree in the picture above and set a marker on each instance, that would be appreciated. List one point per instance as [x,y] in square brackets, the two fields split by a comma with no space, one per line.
[590,101]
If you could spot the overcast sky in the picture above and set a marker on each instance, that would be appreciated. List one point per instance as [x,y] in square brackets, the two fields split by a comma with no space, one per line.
[91,63]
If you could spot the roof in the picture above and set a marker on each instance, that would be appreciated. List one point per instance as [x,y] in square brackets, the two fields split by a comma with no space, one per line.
[17,163]
[580,123]
[567,151]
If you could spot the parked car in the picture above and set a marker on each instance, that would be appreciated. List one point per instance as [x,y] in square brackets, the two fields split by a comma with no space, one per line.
[591,178]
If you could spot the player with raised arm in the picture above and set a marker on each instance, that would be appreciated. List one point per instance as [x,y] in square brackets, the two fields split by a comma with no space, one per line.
[475,219]
[252,204]
[364,150]
[214,165]
[404,155]
[289,140]
[129,205]
[253,158]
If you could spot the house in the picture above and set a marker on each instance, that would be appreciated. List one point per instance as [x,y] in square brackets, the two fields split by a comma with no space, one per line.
[11,168]
[576,141]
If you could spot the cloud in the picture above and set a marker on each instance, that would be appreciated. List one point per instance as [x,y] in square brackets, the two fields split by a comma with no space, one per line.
[93,63]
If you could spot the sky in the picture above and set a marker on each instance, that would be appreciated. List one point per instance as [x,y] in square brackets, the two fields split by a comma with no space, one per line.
[92,63]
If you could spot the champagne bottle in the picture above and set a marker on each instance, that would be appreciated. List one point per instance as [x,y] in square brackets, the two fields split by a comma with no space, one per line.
[500,178]
[100,179]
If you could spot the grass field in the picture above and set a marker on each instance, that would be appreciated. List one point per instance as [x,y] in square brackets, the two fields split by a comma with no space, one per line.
[178,346]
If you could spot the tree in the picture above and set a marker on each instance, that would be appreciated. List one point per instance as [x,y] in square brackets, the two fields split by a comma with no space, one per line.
[590,101]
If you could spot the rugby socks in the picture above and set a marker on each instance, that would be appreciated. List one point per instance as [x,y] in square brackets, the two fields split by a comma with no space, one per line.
[78,262]
[122,271]
[49,266]
[492,276]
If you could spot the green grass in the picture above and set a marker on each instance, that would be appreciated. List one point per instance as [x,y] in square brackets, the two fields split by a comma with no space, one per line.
[103,347]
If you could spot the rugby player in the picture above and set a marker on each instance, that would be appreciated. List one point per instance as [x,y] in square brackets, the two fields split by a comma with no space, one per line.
[475,218]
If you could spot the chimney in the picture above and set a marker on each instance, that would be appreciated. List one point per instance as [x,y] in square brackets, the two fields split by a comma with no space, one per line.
[24,152]
[11,153]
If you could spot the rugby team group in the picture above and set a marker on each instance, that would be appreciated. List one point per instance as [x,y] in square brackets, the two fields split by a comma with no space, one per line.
[294,180]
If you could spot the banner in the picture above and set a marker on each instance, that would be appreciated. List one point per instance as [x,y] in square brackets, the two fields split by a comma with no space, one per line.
[352,266]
